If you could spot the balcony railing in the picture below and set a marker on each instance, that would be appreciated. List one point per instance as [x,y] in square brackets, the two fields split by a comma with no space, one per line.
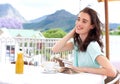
[39,50]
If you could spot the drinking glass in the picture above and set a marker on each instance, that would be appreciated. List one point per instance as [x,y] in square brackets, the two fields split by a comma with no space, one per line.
[28,57]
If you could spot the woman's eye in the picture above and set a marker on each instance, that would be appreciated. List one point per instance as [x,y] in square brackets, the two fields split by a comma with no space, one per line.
[84,21]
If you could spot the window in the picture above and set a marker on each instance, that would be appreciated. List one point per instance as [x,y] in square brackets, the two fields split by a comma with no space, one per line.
[10,53]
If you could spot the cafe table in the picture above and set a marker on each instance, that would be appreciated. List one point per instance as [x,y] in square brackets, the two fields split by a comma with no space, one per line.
[36,75]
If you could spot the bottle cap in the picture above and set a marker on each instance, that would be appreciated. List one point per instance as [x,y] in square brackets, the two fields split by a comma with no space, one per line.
[20,49]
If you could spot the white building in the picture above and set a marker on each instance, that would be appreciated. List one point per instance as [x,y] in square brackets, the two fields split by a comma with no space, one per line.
[34,45]
[8,44]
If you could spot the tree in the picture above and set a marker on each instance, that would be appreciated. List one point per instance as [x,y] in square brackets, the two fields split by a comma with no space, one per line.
[10,23]
[54,33]
[118,27]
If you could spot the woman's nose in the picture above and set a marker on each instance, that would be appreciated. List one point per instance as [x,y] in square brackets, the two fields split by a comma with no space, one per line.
[78,23]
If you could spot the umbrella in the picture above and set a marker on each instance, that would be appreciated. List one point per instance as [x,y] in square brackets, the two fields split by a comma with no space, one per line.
[107,25]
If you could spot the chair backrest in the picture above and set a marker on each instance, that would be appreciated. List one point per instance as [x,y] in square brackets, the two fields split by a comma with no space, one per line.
[116,80]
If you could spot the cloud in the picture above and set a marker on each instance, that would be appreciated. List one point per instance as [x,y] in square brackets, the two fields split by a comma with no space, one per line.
[32,9]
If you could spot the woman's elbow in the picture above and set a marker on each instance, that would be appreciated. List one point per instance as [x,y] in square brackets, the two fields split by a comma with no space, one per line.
[112,72]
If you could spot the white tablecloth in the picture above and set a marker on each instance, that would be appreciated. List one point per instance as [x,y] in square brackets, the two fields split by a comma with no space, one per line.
[34,75]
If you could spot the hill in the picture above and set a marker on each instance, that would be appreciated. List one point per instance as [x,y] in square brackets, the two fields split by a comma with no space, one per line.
[59,19]
[10,17]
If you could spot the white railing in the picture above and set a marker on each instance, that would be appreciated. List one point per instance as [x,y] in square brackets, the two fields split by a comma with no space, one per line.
[37,49]
[41,48]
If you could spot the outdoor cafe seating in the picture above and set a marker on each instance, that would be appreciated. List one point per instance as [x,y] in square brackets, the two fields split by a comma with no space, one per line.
[37,74]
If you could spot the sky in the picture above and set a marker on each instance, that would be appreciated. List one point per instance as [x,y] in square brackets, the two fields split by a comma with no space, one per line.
[32,9]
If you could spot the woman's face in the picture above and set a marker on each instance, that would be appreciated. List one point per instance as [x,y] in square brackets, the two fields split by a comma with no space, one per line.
[83,23]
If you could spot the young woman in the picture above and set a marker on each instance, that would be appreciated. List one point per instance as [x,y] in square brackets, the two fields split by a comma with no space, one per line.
[87,45]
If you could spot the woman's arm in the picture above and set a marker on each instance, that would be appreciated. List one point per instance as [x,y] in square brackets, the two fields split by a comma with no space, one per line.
[63,44]
[106,69]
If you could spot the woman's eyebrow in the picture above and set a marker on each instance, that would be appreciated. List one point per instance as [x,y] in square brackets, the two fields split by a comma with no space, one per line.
[84,19]
[78,17]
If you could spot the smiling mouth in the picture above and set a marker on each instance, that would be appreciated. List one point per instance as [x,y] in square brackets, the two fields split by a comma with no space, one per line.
[78,28]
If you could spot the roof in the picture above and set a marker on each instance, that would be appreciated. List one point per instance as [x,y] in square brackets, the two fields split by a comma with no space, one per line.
[4,33]
[27,33]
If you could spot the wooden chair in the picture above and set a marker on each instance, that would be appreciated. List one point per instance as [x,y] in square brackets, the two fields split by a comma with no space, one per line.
[113,80]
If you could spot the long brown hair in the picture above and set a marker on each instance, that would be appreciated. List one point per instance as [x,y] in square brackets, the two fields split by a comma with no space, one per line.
[93,35]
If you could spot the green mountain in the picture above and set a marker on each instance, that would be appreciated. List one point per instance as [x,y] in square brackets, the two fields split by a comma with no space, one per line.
[10,18]
[59,19]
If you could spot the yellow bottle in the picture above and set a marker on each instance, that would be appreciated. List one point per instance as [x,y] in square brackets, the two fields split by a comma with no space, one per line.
[19,63]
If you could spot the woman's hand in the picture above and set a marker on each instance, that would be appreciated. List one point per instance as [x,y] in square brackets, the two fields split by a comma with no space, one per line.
[73,31]
[64,44]
[59,60]
[74,69]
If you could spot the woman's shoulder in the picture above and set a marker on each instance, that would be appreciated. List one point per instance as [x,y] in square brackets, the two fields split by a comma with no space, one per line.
[94,44]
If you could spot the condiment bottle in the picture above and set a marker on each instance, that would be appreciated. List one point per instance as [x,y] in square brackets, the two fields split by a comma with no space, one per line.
[20,63]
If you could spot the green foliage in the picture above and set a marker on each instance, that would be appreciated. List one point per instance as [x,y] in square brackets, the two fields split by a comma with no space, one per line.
[54,33]
[118,27]
[115,32]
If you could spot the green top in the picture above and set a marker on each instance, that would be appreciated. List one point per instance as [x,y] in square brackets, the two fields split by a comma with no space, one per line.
[88,58]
